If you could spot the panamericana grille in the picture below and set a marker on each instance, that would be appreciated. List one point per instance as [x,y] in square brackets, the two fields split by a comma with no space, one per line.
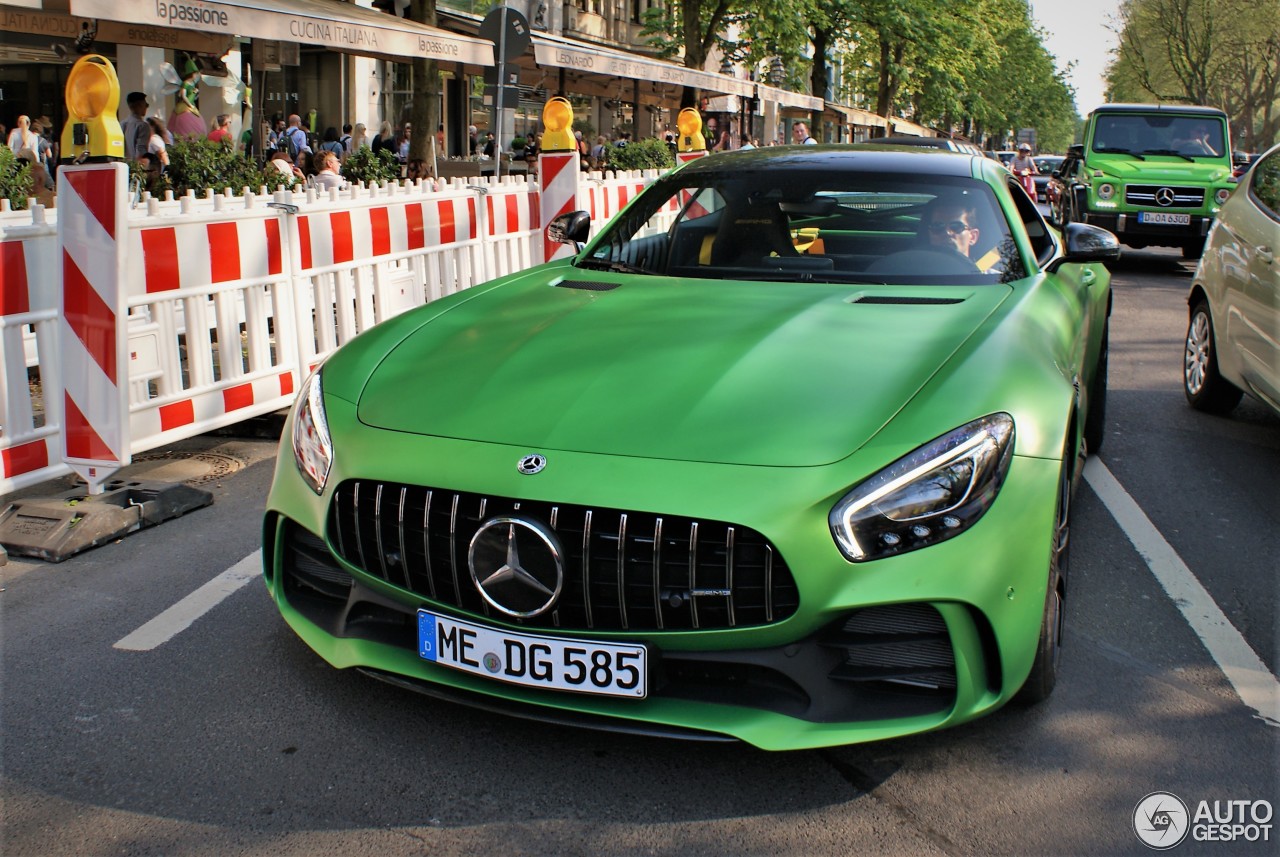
[623,570]
[1145,194]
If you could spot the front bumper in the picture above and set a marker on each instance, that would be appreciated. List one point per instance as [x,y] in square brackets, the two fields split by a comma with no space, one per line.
[970,606]
[1125,226]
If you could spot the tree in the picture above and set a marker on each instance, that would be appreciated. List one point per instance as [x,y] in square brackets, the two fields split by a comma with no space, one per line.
[424,108]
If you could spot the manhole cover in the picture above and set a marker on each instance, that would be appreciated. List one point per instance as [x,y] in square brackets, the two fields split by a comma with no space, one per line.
[191,468]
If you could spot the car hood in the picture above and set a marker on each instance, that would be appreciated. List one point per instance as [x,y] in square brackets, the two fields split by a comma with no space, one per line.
[783,374]
[1156,169]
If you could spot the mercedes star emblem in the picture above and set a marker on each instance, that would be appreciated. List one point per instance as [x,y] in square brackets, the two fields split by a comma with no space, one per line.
[532,464]
[1164,196]
[516,566]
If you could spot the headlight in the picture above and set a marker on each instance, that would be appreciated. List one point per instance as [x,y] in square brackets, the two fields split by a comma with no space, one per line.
[934,493]
[1106,191]
[1222,195]
[312,448]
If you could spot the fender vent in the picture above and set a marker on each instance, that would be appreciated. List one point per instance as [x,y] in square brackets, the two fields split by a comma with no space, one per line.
[906,299]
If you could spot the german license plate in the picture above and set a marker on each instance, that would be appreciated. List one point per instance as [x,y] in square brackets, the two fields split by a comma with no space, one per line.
[555,663]
[1164,218]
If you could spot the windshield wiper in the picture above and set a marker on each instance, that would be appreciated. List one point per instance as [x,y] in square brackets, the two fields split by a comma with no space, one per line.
[1174,152]
[1111,151]
[617,267]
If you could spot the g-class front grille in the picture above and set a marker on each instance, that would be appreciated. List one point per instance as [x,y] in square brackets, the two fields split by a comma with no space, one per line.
[623,570]
[1172,197]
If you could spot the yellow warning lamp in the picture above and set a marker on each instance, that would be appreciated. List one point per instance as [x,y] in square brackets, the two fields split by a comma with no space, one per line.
[690,124]
[557,116]
[92,132]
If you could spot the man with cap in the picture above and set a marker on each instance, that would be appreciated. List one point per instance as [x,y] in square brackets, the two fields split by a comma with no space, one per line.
[137,133]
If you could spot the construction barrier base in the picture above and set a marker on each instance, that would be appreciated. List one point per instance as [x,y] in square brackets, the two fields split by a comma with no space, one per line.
[55,528]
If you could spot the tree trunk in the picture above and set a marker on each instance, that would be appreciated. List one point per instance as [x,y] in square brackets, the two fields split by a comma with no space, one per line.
[821,39]
[424,109]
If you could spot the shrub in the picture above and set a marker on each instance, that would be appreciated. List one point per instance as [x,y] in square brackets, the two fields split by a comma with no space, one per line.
[366,165]
[15,178]
[518,144]
[648,154]
[201,165]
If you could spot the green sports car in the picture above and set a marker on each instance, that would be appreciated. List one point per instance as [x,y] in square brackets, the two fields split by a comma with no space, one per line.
[783,454]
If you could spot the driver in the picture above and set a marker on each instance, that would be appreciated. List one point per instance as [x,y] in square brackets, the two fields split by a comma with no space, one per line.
[952,225]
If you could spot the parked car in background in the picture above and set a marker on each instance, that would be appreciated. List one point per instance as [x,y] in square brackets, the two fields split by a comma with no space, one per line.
[1006,156]
[1233,336]
[784,454]
[946,144]
[1241,162]
[1046,164]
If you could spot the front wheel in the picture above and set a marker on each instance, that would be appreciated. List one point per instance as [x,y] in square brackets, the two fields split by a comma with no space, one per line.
[1044,669]
[1205,388]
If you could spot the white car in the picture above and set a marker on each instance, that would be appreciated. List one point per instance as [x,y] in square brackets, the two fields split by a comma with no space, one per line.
[1233,339]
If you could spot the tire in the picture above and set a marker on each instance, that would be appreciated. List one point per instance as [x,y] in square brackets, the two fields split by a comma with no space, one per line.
[1095,423]
[1193,249]
[1044,669]
[1205,388]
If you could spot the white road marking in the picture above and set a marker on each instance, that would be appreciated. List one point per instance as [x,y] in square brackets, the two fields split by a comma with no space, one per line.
[180,616]
[1253,682]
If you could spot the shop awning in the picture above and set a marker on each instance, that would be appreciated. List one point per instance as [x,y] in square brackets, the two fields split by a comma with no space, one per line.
[858,116]
[562,53]
[339,26]
[902,126]
[787,98]
[54,27]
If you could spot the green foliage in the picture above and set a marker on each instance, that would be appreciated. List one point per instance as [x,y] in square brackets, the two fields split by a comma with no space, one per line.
[518,143]
[202,165]
[648,154]
[368,166]
[15,178]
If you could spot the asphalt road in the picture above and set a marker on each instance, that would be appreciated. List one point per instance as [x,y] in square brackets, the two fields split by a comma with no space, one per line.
[231,737]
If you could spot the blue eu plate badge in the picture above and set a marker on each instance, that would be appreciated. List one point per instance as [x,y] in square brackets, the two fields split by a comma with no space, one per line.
[426,636]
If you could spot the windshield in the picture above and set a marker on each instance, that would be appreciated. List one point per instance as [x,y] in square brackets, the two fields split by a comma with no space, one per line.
[1181,136]
[792,225]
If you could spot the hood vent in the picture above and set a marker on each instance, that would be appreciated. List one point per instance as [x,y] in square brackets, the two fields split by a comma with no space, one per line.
[587,285]
[906,299]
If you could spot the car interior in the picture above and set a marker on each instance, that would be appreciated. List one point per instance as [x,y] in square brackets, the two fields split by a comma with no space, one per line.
[843,228]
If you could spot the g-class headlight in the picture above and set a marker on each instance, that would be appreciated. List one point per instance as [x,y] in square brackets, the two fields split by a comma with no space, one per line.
[1106,191]
[1222,195]
[928,496]
[312,448]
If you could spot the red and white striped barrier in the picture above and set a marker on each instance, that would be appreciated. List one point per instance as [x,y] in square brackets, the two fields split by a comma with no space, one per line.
[91,340]
[30,424]
[558,175]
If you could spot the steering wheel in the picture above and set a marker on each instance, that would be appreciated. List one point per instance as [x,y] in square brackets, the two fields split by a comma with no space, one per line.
[924,262]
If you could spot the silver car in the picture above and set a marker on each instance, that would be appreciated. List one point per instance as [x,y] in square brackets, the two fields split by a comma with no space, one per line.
[1233,339]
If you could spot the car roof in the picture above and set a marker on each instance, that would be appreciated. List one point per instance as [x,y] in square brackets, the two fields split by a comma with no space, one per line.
[858,157]
[1162,108]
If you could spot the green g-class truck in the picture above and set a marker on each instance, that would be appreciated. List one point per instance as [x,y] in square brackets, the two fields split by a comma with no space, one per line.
[1154,174]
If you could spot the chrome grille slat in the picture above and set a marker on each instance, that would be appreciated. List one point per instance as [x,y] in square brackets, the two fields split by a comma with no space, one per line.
[660,560]
[404,551]
[693,571]
[728,572]
[657,572]
[426,544]
[586,567]
[622,568]
[377,530]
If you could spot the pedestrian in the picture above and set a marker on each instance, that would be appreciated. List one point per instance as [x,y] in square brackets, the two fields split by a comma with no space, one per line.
[44,148]
[137,133]
[439,140]
[384,139]
[333,143]
[488,144]
[156,145]
[359,137]
[473,143]
[800,132]
[41,186]
[345,140]
[296,140]
[221,132]
[283,164]
[328,172]
[401,149]
[416,170]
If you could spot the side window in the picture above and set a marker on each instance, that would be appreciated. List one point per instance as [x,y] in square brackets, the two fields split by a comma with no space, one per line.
[1264,184]
[1042,241]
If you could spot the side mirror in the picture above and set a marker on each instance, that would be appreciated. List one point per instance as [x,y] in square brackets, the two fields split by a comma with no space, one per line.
[1086,243]
[1239,159]
[571,228]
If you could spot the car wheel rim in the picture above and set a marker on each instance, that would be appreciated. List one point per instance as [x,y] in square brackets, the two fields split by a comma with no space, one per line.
[1197,356]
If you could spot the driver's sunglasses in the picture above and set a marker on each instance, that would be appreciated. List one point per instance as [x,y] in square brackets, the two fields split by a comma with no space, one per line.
[951,227]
